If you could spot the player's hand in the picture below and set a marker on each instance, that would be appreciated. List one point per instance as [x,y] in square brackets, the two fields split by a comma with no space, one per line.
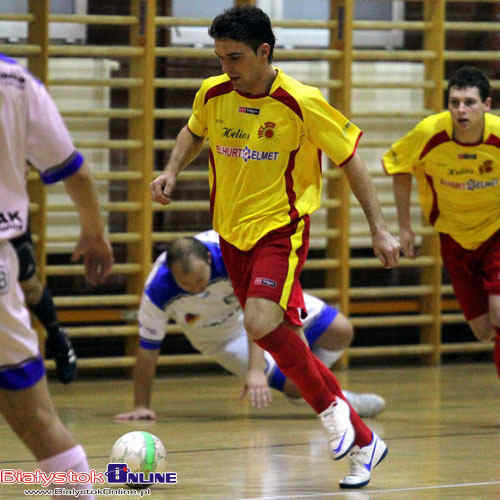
[97,257]
[162,187]
[137,414]
[407,239]
[386,248]
[257,389]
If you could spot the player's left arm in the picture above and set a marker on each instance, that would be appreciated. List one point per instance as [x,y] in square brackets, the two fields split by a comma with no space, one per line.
[385,246]
[256,386]
[93,244]
[51,150]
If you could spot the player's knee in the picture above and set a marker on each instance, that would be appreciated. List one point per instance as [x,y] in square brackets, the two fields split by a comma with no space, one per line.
[261,317]
[256,326]
[483,333]
[338,336]
[346,333]
[494,316]
[259,325]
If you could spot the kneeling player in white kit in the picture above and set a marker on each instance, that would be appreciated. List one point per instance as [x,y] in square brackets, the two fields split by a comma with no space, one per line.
[190,286]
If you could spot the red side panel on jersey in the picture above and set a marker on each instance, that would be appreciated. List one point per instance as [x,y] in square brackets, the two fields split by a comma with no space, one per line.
[435,140]
[435,209]
[293,213]
[211,162]
[289,101]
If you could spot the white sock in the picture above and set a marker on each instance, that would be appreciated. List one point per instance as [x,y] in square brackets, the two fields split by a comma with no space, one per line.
[75,459]
[327,357]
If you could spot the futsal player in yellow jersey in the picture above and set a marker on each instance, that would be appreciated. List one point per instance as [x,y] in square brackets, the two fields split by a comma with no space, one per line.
[455,157]
[269,137]
[266,132]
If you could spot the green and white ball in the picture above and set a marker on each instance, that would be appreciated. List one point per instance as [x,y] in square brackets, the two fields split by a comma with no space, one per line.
[141,451]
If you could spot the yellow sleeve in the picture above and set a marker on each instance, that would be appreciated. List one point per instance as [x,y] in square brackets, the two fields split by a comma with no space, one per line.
[404,153]
[197,123]
[328,129]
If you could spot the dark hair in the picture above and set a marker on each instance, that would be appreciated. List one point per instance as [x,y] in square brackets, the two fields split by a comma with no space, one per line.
[183,249]
[469,76]
[247,24]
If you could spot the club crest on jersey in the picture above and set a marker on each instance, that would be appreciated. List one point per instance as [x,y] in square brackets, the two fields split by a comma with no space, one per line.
[486,167]
[266,130]
[265,282]
[249,111]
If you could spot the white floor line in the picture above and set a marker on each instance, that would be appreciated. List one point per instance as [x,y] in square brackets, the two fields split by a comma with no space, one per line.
[376,492]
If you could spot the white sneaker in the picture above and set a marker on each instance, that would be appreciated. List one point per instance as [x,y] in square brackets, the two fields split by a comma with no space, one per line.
[365,405]
[337,422]
[363,461]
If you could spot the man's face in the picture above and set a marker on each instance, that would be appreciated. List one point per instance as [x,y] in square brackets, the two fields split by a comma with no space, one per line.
[194,281]
[244,67]
[467,110]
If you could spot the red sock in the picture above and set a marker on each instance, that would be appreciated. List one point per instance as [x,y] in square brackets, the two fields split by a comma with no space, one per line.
[297,362]
[363,432]
[496,351]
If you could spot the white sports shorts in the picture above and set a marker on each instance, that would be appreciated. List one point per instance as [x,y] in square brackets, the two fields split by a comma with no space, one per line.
[21,365]
[233,356]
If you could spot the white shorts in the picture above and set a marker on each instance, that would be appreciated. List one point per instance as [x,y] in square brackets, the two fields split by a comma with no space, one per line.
[233,356]
[21,365]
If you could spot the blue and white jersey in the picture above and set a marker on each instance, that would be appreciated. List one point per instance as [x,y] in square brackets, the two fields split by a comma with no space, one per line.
[209,319]
[31,128]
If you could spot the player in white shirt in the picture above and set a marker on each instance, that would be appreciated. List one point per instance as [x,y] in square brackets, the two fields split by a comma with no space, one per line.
[31,129]
[190,286]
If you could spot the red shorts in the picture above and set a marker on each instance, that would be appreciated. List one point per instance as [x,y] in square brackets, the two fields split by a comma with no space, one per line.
[474,274]
[271,269]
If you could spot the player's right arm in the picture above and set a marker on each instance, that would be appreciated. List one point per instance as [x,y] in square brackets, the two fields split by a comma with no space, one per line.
[152,323]
[399,162]
[401,184]
[256,386]
[187,148]
[144,372]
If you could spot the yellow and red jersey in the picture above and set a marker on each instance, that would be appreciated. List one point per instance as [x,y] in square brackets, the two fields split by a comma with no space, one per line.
[265,153]
[459,184]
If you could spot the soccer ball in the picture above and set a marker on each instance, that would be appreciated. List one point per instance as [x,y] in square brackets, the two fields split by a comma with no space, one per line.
[141,451]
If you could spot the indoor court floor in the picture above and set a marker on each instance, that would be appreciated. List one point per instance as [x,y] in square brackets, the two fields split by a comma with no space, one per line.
[442,426]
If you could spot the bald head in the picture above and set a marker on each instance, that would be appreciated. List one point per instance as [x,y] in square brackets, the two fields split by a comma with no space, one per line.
[189,261]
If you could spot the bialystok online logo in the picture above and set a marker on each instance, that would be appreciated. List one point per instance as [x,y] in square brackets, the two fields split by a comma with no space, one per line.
[119,474]
[116,474]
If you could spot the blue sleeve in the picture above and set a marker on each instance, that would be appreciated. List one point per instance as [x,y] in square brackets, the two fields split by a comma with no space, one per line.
[163,288]
[218,268]
[60,172]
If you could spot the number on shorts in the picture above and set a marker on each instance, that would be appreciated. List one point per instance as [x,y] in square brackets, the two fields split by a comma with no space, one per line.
[4,280]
